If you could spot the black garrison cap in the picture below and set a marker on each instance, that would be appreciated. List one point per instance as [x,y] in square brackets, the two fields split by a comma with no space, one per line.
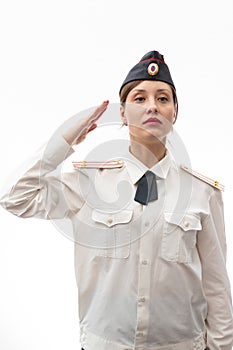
[150,67]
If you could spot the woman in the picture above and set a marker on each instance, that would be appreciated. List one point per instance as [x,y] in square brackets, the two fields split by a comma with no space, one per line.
[149,250]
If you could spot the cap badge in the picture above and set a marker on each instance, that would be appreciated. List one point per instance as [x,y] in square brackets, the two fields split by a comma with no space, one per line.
[153,69]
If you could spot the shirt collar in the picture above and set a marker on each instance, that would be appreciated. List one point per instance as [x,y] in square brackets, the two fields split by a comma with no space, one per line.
[136,169]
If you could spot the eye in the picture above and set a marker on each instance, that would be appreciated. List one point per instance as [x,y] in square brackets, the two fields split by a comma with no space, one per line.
[163,99]
[139,99]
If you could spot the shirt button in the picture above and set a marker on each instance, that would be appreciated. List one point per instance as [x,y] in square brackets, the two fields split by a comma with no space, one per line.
[146,224]
[110,220]
[144,262]
[139,334]
[142,299]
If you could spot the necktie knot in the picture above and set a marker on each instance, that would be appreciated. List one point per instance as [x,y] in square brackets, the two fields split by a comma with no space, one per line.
[147,188]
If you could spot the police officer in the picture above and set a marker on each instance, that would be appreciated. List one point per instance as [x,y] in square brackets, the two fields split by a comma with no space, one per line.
[150,252]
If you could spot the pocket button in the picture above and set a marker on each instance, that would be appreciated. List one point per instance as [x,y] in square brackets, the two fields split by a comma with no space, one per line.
[186,224]
[110,220]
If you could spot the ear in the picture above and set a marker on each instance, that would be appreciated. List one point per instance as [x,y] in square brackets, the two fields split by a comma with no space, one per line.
[123,117]
[175,115]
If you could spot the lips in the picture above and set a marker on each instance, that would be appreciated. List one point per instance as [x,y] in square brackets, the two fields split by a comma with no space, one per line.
[152,121]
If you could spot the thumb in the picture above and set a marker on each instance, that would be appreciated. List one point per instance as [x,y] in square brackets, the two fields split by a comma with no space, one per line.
[93,126]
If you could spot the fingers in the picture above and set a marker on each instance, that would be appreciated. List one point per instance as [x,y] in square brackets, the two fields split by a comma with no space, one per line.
[93,126]
[77,134]
[85,132]
[98,112]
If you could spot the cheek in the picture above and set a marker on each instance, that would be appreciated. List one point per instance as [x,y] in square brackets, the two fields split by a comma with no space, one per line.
[134,114]
[169,114]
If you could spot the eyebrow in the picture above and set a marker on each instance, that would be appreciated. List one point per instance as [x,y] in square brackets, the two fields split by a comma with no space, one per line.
[138,90]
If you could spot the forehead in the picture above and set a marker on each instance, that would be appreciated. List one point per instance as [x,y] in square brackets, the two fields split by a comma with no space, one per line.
[152,85]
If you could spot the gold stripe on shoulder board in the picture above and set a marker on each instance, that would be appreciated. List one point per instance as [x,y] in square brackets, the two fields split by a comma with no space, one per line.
[99,165]
[204,178]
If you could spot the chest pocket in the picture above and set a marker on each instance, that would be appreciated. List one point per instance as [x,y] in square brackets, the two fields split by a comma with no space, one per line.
[114,229]
[179,236]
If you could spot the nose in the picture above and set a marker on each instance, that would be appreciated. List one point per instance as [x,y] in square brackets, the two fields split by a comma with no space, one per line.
[152,106]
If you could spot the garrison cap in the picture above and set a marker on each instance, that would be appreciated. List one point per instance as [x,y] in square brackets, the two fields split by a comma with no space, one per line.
[150,67]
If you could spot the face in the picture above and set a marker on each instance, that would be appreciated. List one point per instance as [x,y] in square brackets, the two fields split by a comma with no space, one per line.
[149,111]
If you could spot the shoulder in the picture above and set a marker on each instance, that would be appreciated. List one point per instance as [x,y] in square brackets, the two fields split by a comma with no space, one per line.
[113,164]
[212,182]
[106,169]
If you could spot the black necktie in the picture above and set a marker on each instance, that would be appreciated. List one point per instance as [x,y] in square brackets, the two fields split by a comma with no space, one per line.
[147,188]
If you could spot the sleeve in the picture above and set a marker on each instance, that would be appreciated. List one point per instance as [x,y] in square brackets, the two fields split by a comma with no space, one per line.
[216,285]
[42,190]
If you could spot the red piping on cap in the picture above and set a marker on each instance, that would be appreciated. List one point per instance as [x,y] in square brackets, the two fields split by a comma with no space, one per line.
[152,59]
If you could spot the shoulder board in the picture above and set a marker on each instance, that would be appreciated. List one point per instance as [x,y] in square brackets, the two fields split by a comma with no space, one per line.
[204,178]
[99,165]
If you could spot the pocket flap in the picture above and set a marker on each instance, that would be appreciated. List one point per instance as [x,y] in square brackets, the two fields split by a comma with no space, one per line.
[112,218]
[188,221]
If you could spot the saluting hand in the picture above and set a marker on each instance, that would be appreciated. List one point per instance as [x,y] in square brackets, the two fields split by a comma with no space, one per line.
[79,131]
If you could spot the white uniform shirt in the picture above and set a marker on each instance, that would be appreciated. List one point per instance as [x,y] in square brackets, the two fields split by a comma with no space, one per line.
[149,277]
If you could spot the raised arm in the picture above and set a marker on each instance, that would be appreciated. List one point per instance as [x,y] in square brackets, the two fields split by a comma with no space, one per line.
[42,191]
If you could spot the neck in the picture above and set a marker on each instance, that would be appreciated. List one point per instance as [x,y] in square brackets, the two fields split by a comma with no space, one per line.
[148,153]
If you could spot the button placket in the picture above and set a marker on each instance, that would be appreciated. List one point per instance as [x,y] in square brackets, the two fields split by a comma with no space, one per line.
[143,294]
[147,251]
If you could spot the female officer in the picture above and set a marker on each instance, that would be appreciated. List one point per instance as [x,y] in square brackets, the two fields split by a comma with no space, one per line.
[149,250]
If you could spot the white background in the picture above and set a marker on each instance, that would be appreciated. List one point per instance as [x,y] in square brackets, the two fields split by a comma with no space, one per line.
[61,57]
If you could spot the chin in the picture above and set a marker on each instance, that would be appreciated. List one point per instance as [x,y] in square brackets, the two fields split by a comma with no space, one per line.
[148,137]
[149,133]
